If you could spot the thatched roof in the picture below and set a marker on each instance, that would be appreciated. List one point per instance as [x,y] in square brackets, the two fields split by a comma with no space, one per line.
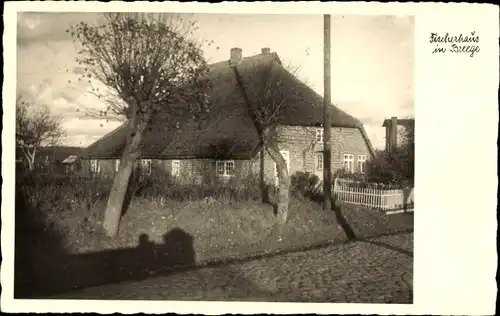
[54,153]
[227,130]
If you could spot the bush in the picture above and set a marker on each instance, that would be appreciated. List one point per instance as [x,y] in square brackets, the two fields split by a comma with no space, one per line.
[167,188]
[392,169]
[45,192]
[49,208]
[305,184]
[397,167]
[348,175]
[373,185]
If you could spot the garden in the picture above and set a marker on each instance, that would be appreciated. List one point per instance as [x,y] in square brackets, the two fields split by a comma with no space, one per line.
[60,244]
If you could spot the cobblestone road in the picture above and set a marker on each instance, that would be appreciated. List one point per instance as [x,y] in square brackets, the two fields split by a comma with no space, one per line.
[374,271]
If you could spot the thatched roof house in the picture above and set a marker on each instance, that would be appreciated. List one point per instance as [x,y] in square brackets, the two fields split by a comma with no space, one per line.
[228,124]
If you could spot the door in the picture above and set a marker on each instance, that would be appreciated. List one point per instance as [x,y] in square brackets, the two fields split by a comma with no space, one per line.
[286,156]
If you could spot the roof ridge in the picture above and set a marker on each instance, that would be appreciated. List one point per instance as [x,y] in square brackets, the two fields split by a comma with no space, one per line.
[247,58]
[85,150]
[227,119]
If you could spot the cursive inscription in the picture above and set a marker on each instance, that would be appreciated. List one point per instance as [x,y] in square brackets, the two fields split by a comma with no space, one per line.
[468,44]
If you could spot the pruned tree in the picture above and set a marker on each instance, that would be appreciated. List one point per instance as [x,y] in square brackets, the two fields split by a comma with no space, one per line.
[35,127]
[266,89]
[149,64]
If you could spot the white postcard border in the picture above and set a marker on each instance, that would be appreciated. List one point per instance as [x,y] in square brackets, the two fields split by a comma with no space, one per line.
[456,121]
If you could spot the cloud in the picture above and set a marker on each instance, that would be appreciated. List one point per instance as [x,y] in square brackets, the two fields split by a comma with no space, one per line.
[372,61]
[81,140]
[85,132]
[373,121]
[376,134]
[91,127]
[48,26]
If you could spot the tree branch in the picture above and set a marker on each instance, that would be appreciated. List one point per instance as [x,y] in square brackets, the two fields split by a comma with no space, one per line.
[146,58]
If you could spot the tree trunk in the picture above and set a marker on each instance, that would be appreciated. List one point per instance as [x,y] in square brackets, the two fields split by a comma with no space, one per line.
[114,207]
[265,194]
[30,157]
[31,165]
[283,184]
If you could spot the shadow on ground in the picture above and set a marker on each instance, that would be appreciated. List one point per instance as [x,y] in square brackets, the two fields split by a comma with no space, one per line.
[44,267]
[217,284]
[360,223]
[55,271]
[390,247]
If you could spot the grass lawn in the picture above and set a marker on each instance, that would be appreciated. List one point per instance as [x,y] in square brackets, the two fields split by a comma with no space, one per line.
[68,250]
[214,226]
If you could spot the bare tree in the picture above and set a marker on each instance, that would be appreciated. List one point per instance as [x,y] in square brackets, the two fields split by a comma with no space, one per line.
[150,64]
[266,89]
[35,127]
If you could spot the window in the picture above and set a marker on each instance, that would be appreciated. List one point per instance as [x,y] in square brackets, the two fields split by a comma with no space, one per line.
[348,162]
[319,161]
[362,163]
[319,135]
[176,168]
[117,164]
[146,166]
[225,168]
[95,166]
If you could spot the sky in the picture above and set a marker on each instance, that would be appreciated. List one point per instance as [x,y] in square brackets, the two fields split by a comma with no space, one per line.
[372,62]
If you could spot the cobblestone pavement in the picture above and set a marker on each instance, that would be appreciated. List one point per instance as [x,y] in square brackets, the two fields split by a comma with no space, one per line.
[378,270]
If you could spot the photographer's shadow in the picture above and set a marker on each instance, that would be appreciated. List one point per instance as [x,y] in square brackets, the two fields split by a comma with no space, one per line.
[177,249]
[78,271]
[152,258]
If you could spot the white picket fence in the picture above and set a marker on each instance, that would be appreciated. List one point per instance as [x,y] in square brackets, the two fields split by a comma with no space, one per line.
[391,201]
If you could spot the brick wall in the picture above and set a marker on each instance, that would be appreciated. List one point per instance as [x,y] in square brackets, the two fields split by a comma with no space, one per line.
[299,141]
[191,170]
[106,168]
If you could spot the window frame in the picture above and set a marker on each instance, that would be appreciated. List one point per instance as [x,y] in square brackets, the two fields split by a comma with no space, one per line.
[95,166]
[320,137]
[149,164]
[176,165]
[361,163]
[319,157]
[349,159]
[224,164]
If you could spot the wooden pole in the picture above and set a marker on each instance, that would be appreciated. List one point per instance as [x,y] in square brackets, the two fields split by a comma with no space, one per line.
[327,152]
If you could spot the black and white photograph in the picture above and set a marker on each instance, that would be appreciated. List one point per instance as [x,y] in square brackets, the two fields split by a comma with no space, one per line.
[152,142]
[228,157]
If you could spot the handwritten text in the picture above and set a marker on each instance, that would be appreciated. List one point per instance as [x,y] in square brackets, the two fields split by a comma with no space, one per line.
[460,43]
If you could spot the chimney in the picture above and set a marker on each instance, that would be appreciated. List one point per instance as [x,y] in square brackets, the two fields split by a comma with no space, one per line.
[265,50]
[387,137]
[236,54]
[393,133]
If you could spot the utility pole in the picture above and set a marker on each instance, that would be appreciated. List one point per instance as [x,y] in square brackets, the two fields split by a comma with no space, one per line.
[327,138]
